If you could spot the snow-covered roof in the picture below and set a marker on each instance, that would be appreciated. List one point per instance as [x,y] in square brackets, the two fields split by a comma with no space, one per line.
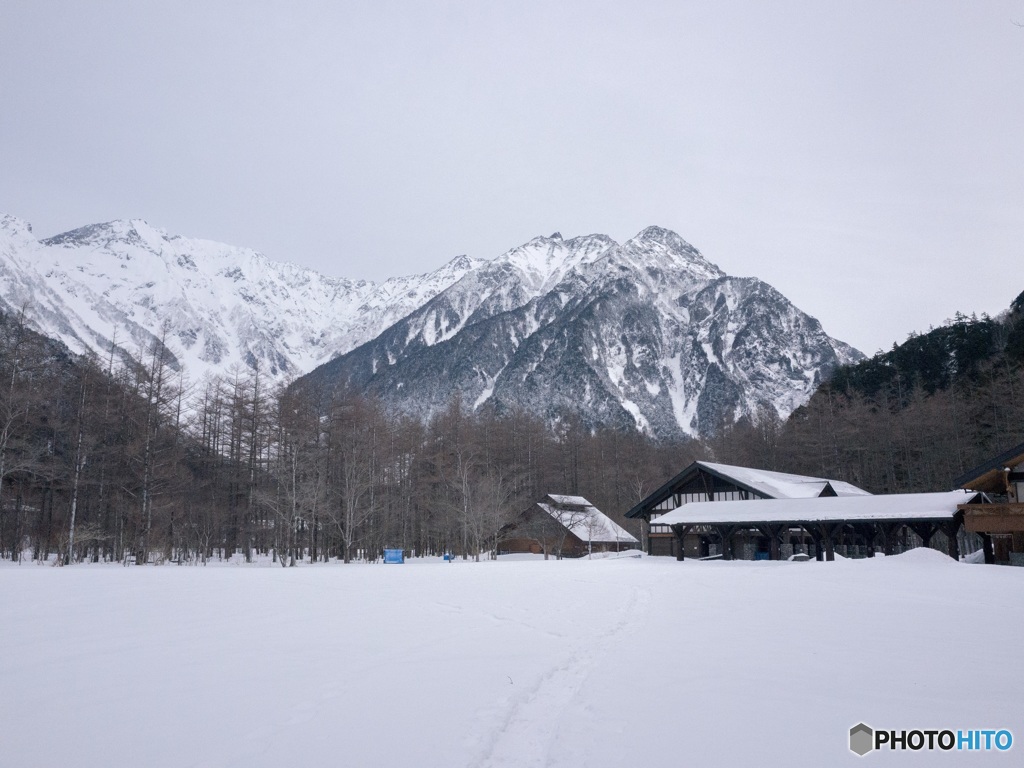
[584,520]
[781,485]
[896,506]
[569,501]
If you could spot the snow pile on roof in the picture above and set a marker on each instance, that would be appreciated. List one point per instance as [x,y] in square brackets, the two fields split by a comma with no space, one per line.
[896,506]
[570,501]
[781,485]
[584,520]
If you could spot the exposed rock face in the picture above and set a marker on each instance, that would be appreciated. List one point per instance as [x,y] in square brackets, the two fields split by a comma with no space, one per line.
[647,334]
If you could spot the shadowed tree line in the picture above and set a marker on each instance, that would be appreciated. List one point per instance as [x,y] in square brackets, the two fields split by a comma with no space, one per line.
[107,460]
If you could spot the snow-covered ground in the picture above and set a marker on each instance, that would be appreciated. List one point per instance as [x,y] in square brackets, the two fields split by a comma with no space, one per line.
[612,662]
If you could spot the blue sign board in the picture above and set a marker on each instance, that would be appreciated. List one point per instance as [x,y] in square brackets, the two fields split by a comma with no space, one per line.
[394,556]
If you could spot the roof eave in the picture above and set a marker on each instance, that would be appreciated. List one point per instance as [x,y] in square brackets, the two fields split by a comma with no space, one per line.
[968,480]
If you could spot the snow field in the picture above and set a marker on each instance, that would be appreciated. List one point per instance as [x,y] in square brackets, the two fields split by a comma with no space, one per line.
[610,662]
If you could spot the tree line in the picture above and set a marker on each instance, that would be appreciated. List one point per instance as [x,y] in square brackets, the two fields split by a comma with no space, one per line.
[122,459]
[908,420]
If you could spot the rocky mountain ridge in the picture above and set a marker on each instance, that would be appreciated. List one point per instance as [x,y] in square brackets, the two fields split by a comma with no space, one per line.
[647,334]
[216,306]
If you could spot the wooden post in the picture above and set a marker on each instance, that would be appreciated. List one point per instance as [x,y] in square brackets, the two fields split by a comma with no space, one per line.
[678,542]
[889,537]
[925,530]
[952,545]
[816,537]
[986,545]
[726,532]
[773,533]
[869,532]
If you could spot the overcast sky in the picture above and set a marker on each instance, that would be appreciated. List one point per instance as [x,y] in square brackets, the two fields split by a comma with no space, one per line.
[866,158]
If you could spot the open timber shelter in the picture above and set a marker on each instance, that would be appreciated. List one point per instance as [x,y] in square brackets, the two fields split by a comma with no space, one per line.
[864,522]
[794,514]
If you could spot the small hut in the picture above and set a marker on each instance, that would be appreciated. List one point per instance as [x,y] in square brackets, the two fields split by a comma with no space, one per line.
[564,526]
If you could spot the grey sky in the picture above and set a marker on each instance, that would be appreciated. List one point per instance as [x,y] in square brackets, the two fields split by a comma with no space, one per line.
[866,158]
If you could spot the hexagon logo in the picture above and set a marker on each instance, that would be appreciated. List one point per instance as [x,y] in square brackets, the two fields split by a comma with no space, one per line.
[862,739]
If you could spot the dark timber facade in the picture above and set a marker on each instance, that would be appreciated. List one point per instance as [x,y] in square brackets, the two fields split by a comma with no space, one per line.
[1001,522]
[708,482]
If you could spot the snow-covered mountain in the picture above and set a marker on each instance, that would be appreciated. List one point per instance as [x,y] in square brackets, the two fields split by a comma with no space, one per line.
[216,306]
[646,334]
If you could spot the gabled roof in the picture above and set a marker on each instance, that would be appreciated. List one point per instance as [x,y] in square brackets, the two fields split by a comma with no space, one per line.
[585,521]
[782,485]
[762,483]
[988,476]
[896,506]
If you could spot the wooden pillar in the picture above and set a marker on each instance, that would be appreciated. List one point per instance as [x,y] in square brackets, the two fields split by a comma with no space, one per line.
[773,533]
[816,537]
[952,545]
[680,544]
[889,537]
[986,545]
[726,532]
[826,537]
[925,530]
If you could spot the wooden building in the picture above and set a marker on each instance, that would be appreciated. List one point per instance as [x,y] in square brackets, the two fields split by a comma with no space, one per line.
[705,481]
[823,522]
[564,526]
[1000,523]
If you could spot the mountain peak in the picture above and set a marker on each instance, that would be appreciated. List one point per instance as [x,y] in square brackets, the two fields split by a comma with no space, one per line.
[666,238]
[458,266]
[666,248]
[94,234]
[12,225]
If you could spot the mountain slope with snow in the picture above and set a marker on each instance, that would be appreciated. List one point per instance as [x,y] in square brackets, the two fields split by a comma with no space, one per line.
[215,306]
[646,335]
